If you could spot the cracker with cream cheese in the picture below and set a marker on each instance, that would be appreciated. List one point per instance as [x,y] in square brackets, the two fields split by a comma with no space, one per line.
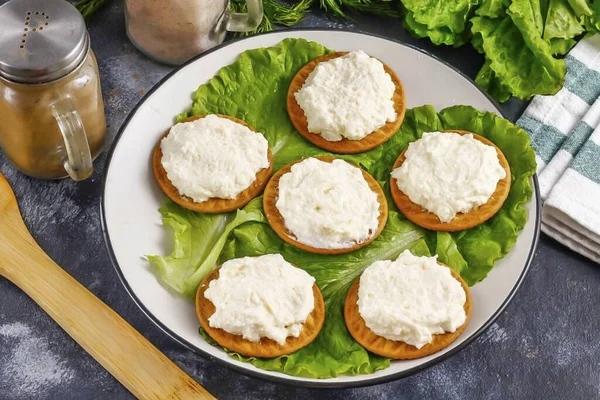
[344,146]
[396,349]
[428,220]
[212,205]
[265,348]
[277,221]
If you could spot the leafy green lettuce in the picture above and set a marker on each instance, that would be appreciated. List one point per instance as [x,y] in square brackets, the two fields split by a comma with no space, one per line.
[487,79]
[562,21]
[519,38]
[254,89]
[492,8]
[592,22]
[580,7]
[442,21]
[199,240]
[518,59]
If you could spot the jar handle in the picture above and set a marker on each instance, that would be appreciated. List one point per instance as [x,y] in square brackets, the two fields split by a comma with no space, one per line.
[79,159]
[245,22]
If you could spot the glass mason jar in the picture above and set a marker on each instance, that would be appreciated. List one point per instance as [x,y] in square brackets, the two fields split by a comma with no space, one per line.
[174,31]
[53,121]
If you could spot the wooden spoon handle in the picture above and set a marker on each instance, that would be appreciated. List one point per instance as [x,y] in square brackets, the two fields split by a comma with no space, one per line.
[119,348]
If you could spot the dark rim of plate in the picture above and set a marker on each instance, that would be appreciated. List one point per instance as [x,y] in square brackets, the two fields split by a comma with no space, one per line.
[290,381]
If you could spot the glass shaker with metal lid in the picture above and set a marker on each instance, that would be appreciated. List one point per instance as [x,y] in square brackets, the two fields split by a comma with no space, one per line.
[52,121]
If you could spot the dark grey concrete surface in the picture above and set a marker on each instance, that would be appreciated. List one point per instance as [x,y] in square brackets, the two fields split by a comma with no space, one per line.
[545,345]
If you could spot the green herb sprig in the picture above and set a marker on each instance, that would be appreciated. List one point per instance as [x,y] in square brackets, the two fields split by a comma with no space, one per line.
[275,13]
[384,8]
[87,8]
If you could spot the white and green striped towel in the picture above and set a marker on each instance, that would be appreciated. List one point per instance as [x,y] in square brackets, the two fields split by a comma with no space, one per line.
[565,134]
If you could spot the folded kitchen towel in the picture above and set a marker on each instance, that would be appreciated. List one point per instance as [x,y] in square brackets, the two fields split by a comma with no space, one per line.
[565,134]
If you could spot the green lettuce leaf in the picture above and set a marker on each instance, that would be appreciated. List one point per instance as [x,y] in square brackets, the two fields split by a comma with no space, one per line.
[439,35]
[580,7]
[198,241]
[492,8]
[520,39]
[560,46]
[592,22]
[487,79]
[254,88]
[561,23]
[523,13]
[194,236]
[442,21]
[517,54]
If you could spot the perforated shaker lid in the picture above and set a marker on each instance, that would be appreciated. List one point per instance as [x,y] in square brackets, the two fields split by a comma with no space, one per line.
[40,40]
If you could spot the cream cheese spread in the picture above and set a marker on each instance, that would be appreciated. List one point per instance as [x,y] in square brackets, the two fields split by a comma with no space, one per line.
[410,299]
[447,173]
[347,97]
[261,297]
[213,157]
[328,205]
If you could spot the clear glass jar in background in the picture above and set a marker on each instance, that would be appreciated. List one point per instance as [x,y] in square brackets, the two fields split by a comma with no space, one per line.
[174,31]
[52,120]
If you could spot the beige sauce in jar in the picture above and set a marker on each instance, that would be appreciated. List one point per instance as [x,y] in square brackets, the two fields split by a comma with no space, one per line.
[29,134]
[52,120]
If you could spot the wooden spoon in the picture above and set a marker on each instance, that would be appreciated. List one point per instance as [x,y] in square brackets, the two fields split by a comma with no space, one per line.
[125,353]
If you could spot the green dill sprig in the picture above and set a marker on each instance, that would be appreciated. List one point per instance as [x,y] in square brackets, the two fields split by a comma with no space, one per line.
[384,8]
[287,15]
[275,13]
[87,8]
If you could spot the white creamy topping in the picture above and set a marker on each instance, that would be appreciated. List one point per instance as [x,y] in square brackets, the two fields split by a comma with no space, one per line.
[448,173]
[261,297]
[213,157]
[411,299]
[347,97]
[328,205]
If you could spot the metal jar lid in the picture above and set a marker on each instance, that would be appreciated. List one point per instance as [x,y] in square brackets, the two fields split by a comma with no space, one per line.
[40,40]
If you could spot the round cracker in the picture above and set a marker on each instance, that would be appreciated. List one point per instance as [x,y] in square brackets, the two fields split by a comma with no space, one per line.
[426,219]
[265,348]
[213,205]
[344,146]
[277,221]
[395,349]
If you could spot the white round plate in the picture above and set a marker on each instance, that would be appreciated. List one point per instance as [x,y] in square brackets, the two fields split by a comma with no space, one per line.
[131,198]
